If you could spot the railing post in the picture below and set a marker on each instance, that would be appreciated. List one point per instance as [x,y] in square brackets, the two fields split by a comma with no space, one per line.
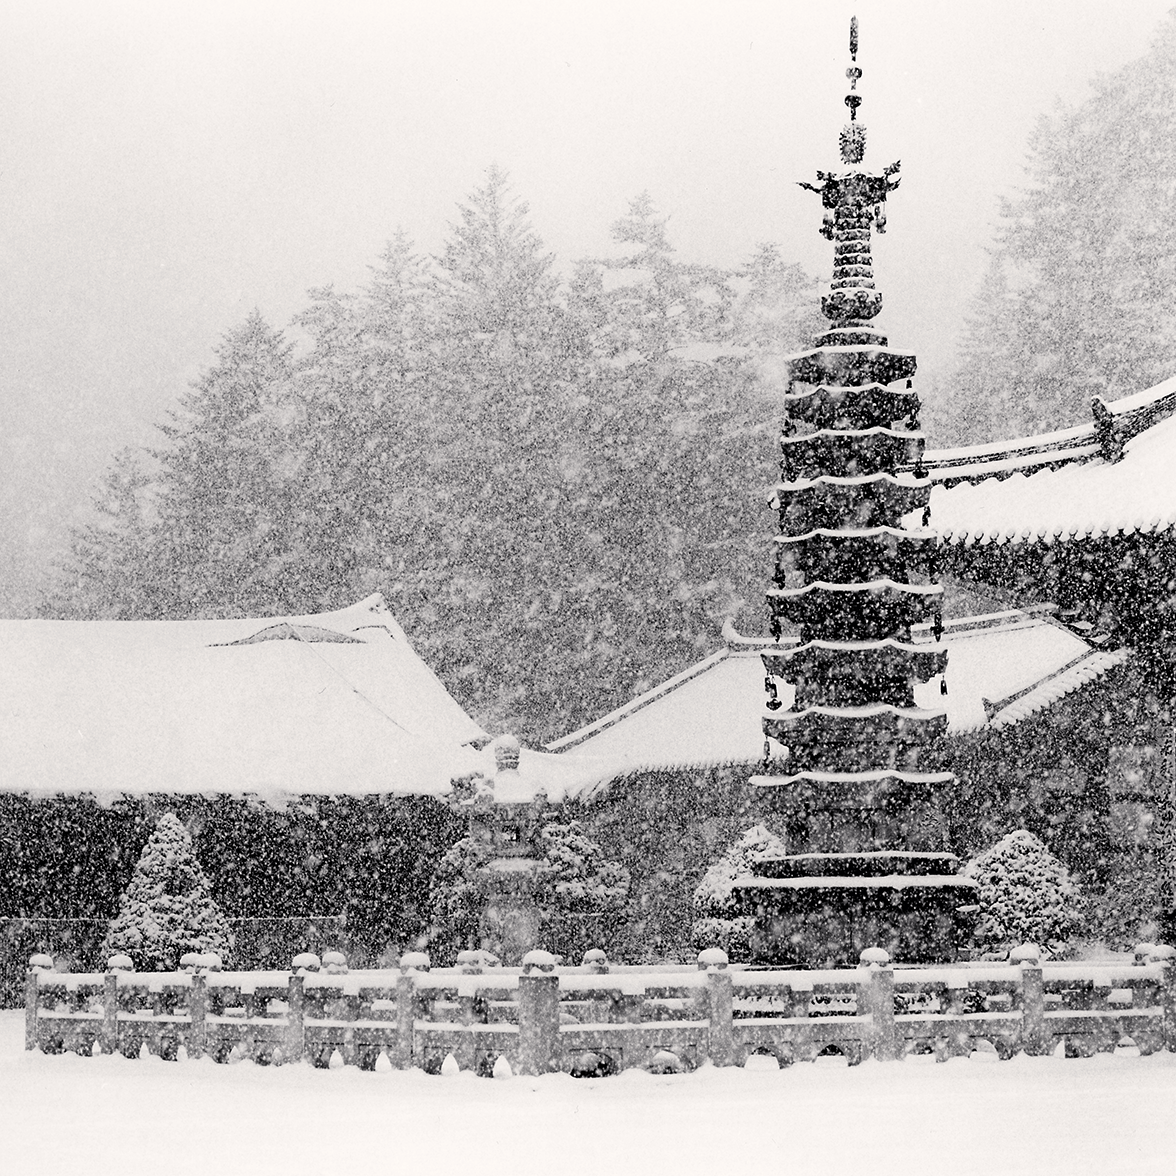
[41,962]
[538,1014]
[1034,1039]
[32,998]
[1033,1035]
[720,1014]
[876,1000]
[109,1034]
[408,1003]
[1166,957]
[294,1046]
[197,1044]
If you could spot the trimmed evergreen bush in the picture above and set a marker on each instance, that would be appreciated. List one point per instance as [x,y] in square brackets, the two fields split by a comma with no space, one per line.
[1025,894]
[715,922]
[167,908]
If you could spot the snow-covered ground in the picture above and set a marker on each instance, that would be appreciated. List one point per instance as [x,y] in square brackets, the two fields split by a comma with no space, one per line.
[1030,1115]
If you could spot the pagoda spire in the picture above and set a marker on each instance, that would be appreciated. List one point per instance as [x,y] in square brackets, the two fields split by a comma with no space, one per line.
[855,593]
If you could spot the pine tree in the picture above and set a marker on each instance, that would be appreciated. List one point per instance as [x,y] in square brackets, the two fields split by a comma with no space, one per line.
[103,578]
[199,527]
[715,922]
[221,506]
[167,908]
[1025,894]
[1083,275]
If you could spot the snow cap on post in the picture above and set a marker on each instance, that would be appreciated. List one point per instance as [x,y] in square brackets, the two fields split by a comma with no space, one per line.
[306,961]
[1143,952]
[190,961]
[334,963]
[120,963]
[40,962]
[415,961]
[538,961]
[470,962]
[712,957]
[210,961]
[874,957]
[1028,954]
[595,960]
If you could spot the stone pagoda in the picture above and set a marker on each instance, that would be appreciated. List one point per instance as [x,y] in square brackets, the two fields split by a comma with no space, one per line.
[855,700]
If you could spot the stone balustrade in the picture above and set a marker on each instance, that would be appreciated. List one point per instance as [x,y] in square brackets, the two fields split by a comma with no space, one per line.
[599,1018]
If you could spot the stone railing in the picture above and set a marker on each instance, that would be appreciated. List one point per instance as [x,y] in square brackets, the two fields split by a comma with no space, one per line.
[599,1018]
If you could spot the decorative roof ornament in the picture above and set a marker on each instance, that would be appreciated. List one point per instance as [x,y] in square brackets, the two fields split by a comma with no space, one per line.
[854,203]
[853,136]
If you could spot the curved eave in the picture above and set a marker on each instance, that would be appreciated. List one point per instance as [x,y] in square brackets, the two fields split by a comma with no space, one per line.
[910,714]
[1054,689]
[880,882]
[875,586]
[854,647]
[919,534]
[905,481]
[1063,533]
[847,434]
[850,778]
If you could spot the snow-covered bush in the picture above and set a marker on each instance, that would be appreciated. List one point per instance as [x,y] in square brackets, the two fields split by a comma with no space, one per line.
[715,922]
[1025,894]
[167,908]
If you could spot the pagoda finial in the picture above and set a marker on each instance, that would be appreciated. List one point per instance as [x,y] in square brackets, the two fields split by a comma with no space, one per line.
[853,136]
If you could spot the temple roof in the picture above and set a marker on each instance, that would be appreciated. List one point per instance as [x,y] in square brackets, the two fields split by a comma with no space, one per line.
[1110,475]
[333,703]
[1001,669]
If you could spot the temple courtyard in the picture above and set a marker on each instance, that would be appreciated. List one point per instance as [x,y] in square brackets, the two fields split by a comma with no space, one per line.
[1108,1114]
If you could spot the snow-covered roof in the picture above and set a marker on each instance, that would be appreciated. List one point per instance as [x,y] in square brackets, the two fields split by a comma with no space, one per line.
[1113,474]
[333,703]
[1000,669]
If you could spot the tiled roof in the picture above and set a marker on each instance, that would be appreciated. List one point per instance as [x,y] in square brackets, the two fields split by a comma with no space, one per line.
[327,704]
[1115,474]
[710,714]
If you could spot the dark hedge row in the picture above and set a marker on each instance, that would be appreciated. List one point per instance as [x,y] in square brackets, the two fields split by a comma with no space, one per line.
[367,862]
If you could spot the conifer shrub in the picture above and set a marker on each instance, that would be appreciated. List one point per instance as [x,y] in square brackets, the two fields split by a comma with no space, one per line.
[715,922]
[167,908]
[1025,894]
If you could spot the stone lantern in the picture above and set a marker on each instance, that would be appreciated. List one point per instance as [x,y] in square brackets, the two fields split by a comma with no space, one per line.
[507,809]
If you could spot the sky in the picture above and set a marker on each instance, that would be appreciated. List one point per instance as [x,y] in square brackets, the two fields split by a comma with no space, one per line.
[165,168]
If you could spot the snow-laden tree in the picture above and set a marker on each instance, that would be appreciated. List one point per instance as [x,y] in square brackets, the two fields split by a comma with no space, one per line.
[167,908]
[1025,894]
[104,576]
[716,923]
[198,527]
[1079,298]
[504,456]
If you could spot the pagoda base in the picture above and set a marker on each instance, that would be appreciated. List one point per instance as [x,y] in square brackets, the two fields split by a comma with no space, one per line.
[824,910]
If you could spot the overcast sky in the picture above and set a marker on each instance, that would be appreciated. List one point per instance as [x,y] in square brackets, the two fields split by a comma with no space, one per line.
[165,168]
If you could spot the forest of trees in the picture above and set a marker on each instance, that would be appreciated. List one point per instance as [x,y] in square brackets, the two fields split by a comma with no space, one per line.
[558,482]
[559,485]
[1079,295]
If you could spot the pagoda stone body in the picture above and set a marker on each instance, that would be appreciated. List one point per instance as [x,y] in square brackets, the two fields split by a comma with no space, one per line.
[868,862]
